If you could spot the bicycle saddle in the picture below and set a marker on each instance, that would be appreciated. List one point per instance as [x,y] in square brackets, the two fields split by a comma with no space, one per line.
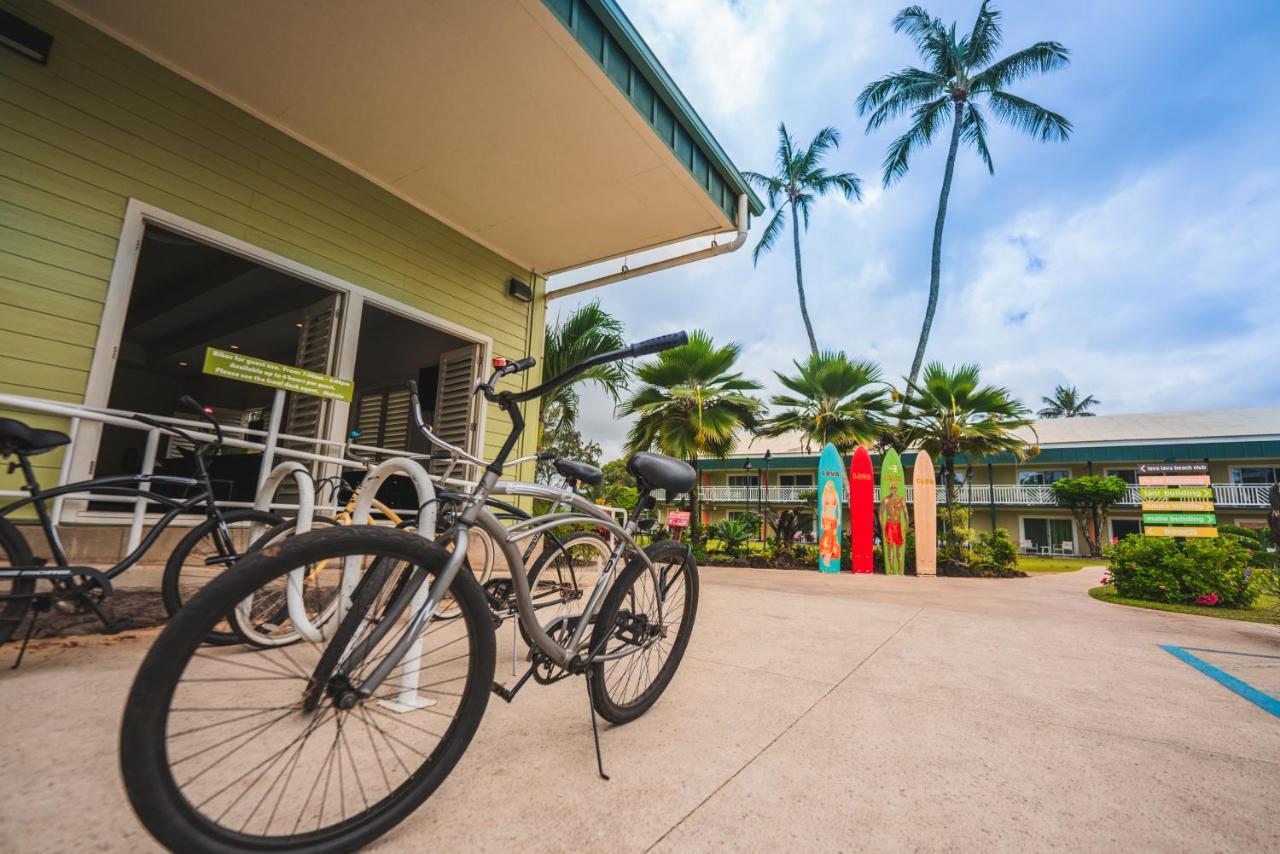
[18,438]
[662,471]
[572,470]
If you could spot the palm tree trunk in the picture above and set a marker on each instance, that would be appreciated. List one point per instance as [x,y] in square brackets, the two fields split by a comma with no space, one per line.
[804,309]
[935,267]
[695,502]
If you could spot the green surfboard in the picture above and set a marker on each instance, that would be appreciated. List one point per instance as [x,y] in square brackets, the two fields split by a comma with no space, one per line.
[893,513]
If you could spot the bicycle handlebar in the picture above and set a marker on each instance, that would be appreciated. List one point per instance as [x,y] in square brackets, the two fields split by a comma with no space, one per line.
[642,348]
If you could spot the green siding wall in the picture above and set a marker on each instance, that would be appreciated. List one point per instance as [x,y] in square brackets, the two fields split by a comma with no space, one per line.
[102,123]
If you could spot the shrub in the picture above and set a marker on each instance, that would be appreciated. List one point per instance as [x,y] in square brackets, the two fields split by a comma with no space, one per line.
[735,532]
[1160,569]
[994,553]
[1256,540]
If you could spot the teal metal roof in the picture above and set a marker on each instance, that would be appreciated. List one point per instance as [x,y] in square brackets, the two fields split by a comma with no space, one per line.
[608,36]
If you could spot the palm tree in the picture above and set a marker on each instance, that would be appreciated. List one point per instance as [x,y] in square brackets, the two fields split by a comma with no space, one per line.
[953,414]
[587,331]
[956,75]
[834,399]
[1067,402]
[692,404]
[800,178]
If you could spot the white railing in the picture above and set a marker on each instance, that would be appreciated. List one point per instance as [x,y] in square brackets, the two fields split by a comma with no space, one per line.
[1224,494]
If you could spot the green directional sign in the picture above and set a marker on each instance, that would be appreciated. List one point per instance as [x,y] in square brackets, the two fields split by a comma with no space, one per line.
[237,366]
[1175,493]
[1179,519]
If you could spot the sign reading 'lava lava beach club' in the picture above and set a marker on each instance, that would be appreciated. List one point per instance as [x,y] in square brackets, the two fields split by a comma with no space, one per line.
[1177,500]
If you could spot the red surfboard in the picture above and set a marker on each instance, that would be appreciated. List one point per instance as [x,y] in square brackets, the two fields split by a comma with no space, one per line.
[862,506]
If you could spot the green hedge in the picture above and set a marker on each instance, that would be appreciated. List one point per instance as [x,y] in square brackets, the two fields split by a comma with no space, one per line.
[1212,572]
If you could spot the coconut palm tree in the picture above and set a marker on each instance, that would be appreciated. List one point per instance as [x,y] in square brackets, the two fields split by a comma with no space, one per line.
[959,84]
[800,178]
[692,404]
[833,399]
[588,331]
[1067,402]
[952,414]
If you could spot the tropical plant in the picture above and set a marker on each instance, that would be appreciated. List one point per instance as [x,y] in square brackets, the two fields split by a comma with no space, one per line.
[952,414]
[1090,499]
[1198,571]
[564,442]
[588,331]
[833,399]
[617,488]
[957,75]
[734,533]
[799,179]
[1067,402]
[692,404]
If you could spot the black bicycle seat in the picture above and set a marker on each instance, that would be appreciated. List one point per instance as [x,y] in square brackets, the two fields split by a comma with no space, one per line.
[661,471]
[572,470]
[18,438]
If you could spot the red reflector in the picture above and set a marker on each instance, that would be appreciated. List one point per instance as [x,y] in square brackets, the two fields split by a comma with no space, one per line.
[499,362]
[208,410]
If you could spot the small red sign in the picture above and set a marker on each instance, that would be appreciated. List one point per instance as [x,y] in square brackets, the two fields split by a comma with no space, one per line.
[677,518]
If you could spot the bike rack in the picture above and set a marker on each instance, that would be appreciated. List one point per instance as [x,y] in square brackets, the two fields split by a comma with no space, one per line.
[301,476]
[408,699]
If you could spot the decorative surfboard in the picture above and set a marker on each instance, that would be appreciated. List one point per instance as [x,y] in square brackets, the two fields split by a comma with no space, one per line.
[862,508]
[830,508]
[893,513]
[924,495]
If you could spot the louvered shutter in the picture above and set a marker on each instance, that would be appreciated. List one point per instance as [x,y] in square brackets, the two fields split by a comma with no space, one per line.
[455,401]
[307,415]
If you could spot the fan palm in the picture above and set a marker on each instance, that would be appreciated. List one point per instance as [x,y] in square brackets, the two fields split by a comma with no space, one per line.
[588,331]
[692,404]
[958,74]
[800,178]
[952,414]
[1067,402]
[833,399]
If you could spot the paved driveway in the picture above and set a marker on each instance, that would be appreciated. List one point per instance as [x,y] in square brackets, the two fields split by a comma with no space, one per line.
[812,713]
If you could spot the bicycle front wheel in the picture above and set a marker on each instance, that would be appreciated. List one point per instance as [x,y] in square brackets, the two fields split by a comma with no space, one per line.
[642,631]
[242,748]
[563,576]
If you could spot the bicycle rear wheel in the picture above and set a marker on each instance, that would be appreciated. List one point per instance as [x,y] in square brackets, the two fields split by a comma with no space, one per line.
[563,577]
[220,749]
[646,620]
[15,593]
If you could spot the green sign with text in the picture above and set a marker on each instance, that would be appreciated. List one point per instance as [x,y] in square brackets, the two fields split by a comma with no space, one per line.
[1179,519]
[236,366]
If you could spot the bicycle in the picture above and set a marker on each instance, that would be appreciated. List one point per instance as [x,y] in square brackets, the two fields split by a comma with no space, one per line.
[306,759]
[84,587]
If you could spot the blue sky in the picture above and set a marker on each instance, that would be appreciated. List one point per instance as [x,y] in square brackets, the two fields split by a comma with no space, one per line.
[1139,261]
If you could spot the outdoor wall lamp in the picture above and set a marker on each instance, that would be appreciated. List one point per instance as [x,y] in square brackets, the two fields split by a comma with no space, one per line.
[519,290]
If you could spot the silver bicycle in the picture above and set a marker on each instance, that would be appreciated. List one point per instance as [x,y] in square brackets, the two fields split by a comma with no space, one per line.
[324,745]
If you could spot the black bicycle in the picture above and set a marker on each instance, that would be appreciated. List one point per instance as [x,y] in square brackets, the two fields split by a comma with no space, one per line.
[218,541]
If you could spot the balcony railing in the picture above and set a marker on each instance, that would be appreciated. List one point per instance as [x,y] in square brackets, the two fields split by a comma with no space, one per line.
[1224,495]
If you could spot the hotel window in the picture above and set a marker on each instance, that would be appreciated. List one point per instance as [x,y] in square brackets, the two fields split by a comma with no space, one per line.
[744,480]
[1254,474]
[1048,534]
[1042,478]
[795,480]
[1129,476]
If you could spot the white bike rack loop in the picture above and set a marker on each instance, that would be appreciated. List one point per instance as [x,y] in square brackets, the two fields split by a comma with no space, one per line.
[302,523]
[408,699]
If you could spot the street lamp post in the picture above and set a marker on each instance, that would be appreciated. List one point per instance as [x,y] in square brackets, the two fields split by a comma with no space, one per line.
[746,466]
[764,488]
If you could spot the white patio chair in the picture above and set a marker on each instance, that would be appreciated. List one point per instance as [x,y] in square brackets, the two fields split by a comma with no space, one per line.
[1068,548]
[1028,547]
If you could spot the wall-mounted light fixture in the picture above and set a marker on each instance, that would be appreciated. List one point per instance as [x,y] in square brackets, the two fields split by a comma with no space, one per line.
[21,37]
[519,290]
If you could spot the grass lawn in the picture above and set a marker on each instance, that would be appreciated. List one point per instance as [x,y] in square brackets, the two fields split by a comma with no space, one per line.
[1038,563]
[1266,610]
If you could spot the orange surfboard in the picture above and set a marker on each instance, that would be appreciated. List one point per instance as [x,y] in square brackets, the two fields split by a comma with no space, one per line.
[862,507]
[925,506]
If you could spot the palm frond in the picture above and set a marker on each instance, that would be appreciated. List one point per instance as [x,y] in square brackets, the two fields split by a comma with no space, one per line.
[1029,117]
[1041,57]
[767,184]
[904,97]
[769,237]
[928,118]
[973,130]
[985,37]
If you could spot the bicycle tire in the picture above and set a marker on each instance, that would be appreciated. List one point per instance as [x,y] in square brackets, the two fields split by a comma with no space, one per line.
[615,709]
[16,552]
[175,589]
[149,780]
[562,590]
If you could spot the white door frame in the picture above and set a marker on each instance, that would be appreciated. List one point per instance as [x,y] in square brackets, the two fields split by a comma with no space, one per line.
[1022,528]
[137,216]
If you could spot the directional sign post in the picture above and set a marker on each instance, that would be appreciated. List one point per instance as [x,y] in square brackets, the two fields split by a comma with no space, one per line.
[1177,500]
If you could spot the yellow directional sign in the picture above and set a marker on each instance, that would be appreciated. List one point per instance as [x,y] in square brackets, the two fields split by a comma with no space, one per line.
[1169,531]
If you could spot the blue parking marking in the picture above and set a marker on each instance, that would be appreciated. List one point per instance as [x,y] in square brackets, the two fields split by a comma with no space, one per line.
[1266,702]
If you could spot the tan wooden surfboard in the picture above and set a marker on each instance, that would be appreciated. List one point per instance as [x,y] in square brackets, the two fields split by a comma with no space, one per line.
[925,504]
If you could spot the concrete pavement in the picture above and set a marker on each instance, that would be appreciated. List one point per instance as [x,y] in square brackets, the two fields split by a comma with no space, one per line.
[812,712]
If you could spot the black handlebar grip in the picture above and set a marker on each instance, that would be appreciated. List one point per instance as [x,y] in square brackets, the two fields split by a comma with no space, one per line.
[657,345]
[191,403]
[525,364]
